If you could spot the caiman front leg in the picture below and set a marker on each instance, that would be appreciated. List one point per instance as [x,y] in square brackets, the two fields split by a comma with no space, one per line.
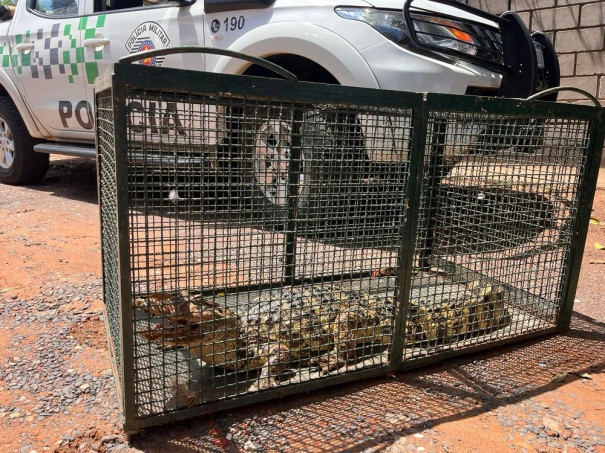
[278,359]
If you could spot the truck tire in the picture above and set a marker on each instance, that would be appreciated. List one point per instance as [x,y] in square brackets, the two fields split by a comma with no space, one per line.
[325,173]
[268,163]
[19,163]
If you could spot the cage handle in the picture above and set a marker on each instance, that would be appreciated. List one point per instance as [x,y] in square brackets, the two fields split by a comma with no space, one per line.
[209,50]
[541,94]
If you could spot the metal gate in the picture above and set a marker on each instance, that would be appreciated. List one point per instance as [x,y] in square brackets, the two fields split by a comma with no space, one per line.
[265,237]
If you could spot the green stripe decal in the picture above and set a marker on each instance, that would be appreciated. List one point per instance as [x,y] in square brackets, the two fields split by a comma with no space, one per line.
[67,43]
[92,71]
[80,55]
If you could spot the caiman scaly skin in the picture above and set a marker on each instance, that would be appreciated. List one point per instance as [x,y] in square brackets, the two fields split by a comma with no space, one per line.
[310,325]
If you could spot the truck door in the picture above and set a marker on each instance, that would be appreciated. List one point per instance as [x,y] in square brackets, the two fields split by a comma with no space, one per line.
[130,26]
[45,41]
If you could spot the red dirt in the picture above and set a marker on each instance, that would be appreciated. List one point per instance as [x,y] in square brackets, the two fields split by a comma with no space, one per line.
[50,234]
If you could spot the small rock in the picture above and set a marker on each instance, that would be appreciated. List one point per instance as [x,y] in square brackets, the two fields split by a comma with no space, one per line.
[550,424]
[107,439]
[249,446]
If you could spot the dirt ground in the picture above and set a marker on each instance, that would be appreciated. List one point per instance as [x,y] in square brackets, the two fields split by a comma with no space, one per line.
[57,393]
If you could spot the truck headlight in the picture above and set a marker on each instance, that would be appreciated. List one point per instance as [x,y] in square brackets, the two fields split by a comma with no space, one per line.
[447,33]
[390,23]
[430,30]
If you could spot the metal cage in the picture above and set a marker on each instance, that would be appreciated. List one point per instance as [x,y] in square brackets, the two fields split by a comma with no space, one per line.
[265,237]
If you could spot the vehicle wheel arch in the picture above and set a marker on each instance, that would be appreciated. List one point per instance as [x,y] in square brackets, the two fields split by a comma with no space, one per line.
[304,68]
[323,47]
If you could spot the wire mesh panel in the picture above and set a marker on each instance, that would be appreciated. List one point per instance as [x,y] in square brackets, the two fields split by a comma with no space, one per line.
[268,237]
[499,206]
[264,281]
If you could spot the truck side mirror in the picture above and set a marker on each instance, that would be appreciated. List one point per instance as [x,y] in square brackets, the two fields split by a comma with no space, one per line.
[6,12]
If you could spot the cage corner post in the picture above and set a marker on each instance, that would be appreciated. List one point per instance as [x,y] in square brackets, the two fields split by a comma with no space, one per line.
[125,291]
[594,149]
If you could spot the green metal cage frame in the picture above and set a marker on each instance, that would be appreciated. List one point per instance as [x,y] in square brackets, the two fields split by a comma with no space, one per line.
[115,87]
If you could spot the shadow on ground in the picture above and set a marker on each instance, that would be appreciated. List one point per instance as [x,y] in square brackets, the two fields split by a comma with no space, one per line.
[70,178]
[373,413]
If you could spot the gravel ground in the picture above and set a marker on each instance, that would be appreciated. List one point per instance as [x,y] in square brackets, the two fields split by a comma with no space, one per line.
[57,391]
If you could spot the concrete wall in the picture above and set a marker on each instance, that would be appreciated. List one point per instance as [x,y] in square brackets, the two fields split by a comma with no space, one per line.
[577,29]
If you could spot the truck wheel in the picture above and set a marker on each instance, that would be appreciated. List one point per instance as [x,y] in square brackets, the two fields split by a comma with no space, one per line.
[323,175]
[19,163]
[270,161]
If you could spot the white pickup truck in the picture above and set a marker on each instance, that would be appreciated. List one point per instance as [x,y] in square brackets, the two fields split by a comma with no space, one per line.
[51,52]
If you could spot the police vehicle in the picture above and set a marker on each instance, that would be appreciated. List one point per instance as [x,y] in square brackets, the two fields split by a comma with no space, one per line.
[51,52]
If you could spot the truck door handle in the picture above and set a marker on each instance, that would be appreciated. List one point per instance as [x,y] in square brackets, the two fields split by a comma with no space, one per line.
[96,42]
[24,47]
